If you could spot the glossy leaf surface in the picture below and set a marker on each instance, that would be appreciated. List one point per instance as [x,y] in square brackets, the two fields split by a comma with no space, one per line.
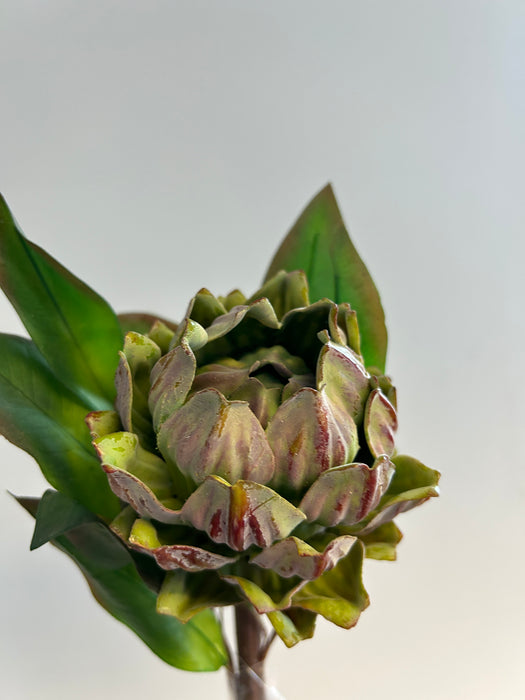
[114,581]
[43,417]
[318,243]
[73,327]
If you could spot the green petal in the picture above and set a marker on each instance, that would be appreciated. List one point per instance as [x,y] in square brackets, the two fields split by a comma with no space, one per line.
[185,595]
[301,328]
[266,590]
[294,557]
[413,483]
[285,291]
[171,380]
[346,494]
[138,477]
[133,383]
[116,584]
[381,543]
[143,537]
[143,323]
[73,327]
[343,379]
[240,330]
[319,244]
[43,417]
[205,308]
[210,435]
[309,434]
[293,625]
[338,595]
[380,424]
[240,515]
[101,423]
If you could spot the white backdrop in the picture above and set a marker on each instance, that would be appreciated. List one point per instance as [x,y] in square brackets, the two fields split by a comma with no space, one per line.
[158,147]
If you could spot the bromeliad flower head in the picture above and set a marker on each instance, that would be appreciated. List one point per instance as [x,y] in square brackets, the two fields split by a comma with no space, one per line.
[249,449]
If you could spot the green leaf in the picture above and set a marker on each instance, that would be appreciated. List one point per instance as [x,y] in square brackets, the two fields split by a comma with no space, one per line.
[293,625]
[114,581]
[43,417]
[56,515]
[338,595]
[319,244]
[381,543]
[73,327]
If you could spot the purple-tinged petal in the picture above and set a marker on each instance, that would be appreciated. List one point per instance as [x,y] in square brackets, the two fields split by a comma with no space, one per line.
[205,308]
[263,401]
[338,595]
[343,378]
[224,378]
[171,380]
[285,291]
[144,538]
[380,424]
[413,483]
[210,435]
[345,495]
[260,310]
[308,435]
[137,477]
[294,557]
[240,515]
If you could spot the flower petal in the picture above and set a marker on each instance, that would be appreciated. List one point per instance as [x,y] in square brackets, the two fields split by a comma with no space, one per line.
[185,594]
[171,380]
[308,435]
[338,595]
[294,557]
[348,493]
[143,537]
[210,435]
[137,476]
[132,382]
[285,291]
[343,378]
[240,515]
[413,483]
[380,424]
[293,625]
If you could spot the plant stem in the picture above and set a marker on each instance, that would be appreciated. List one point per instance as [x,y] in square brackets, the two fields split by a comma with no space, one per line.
[252,644]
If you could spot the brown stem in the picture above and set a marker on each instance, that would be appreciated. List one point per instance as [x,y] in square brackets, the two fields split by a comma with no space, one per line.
[248,679]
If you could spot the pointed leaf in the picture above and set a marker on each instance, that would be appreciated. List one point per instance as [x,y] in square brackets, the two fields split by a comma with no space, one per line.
[114,581]
[318,243]
[73,327]
[43,417]
[58,514]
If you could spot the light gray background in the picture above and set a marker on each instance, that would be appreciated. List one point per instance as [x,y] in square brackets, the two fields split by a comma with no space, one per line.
[158,147]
